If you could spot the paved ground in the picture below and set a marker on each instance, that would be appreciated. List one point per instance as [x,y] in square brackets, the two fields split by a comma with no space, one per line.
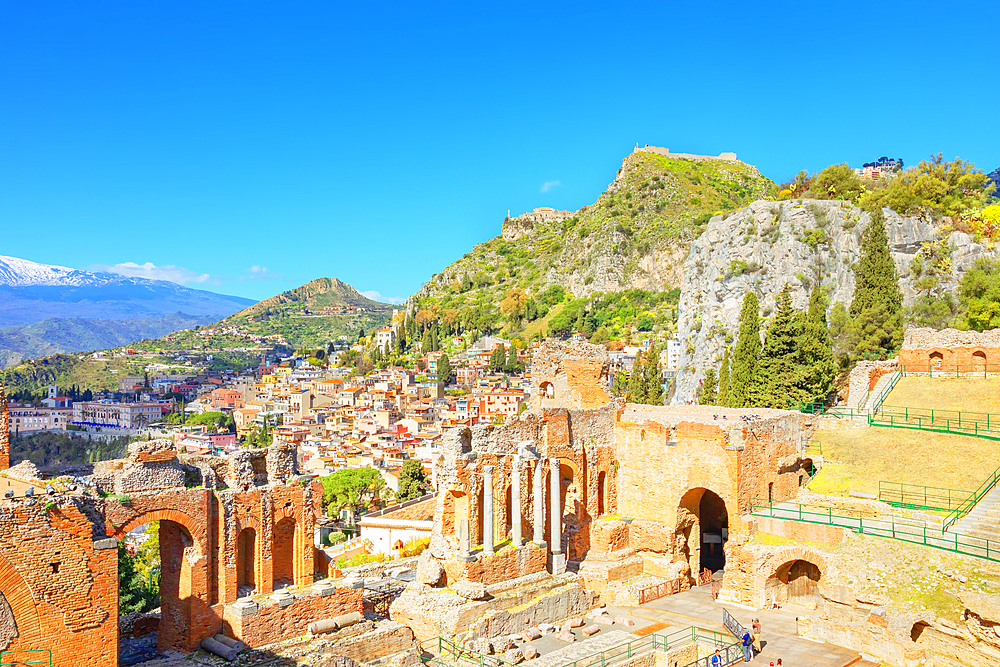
[778,628]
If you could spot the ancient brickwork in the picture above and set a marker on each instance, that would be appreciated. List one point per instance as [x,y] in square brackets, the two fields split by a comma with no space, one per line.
[59,551]
[4,431]
[271,621]
[926,350]
[570,375]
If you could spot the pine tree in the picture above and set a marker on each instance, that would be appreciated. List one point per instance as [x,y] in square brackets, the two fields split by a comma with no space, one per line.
[708,388]
[444,369]
[723,397]
[435,345]
[654,377]
[743,379]
[877,306]
[512,365]
[816,350]
[427,343]
[636,392]
[780,370]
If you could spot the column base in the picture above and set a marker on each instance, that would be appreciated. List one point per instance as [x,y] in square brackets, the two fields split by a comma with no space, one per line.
[466,558]
[543,545]
[557,563]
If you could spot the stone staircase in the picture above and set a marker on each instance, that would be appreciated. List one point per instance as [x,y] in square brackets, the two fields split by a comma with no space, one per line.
[983,521]
[880,386]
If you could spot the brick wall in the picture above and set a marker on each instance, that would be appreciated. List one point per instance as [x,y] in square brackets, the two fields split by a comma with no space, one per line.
[273,623]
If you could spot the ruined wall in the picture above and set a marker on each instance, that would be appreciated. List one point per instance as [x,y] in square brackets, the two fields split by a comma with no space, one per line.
[60,580]
[271,621]
[570,375]
[508,563]
[4,431]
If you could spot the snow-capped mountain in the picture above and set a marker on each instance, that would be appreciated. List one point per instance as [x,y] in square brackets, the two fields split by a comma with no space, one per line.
[31,292]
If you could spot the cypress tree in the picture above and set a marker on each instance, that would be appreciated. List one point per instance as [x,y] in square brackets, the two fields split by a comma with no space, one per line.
[877,306]
[444,369]
[708,396]
[654,377]
[512,366]
[780,370]
[743,378]
[723,397]
[636,392]
[816,350]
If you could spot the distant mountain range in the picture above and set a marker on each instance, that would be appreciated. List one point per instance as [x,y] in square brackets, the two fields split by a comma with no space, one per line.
[46,309]
[32,292]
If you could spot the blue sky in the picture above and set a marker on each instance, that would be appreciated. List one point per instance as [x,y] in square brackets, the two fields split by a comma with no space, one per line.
[248,147]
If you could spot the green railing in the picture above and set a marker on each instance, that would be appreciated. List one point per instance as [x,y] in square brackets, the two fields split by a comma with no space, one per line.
[39,657]
[608,656]
[813,447]
[973,499]
[917,497]
[935,421]
[874,404]
[944,370]
[824,410]
[915,532]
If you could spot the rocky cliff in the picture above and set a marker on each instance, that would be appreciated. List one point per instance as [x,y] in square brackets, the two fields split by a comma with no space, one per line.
[767,244]
[635,235]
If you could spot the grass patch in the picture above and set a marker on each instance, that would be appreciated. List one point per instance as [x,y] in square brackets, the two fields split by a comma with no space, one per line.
[857,459]
[965,394]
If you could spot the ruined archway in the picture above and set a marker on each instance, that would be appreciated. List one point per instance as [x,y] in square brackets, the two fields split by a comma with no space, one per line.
[979,360]
[285,544]
[182,573]
[795,582]
[918,630]
[21,625]
[547,390]
[703,523]
[246,562]
[508,505]
[936,359]
[602,492]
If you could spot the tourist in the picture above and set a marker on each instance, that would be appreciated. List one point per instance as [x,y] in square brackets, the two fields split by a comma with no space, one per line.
[717,659]
[747,646]
[756,635]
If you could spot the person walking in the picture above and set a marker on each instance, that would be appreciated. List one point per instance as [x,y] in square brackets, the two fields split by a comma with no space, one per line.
[747,646]
[756,636]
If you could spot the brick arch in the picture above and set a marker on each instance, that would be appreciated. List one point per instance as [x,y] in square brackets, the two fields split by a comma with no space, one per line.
[22,603]
[194,529]
[768,567]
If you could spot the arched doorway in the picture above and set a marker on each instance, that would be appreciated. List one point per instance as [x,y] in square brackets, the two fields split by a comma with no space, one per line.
[937,359]
[285,538]
[704,520]
[508,505]
[547,390]
[246,562]
[796,583]
[918,630]
[979,360]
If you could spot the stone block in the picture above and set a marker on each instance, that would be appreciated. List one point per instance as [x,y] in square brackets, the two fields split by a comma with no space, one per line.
[531,634]
[575,622]
[604,620]
[547,628]
[529,652]
[429,570]
[470,590]
[514,656]
[624,620]
[591,630]
[565,636]
[152,451]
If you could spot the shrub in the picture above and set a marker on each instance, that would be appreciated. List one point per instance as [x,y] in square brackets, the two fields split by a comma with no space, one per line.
[414,547]
[336,537]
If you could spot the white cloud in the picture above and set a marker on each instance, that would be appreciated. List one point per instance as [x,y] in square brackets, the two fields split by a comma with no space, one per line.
[174,274]
[548,185]
[375,296]
[260,273]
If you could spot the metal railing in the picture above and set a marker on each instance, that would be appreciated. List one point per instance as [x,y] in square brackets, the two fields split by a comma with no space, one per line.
[917,497]
[973,499]
[26,657]
[943,370]
[609,656]
[915,532]
[824,410]
[911,418]
[877,403]
[813,447]
[657,591]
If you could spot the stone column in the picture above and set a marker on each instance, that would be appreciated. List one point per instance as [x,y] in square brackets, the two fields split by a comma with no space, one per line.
[557,559]
[487,518]
[539,491]
[464,547]
[555,538]
[515,502]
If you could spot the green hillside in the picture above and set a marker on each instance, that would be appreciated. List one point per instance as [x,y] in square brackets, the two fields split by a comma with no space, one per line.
[634,236]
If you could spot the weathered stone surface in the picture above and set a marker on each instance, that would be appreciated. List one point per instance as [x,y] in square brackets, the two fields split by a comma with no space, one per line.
[24,471]
[575,622]
[429,570]
[135,477]
[591,630]
[482,645]
[529,652]
[470,590]
[152,451]
[531,634]
[625,621]
[513,656]
[566,636]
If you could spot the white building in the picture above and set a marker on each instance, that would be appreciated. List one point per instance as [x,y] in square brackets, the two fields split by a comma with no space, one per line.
[394,526]
[385,336]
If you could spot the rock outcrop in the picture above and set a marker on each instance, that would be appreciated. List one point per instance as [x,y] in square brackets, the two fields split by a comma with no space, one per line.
[768,244]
